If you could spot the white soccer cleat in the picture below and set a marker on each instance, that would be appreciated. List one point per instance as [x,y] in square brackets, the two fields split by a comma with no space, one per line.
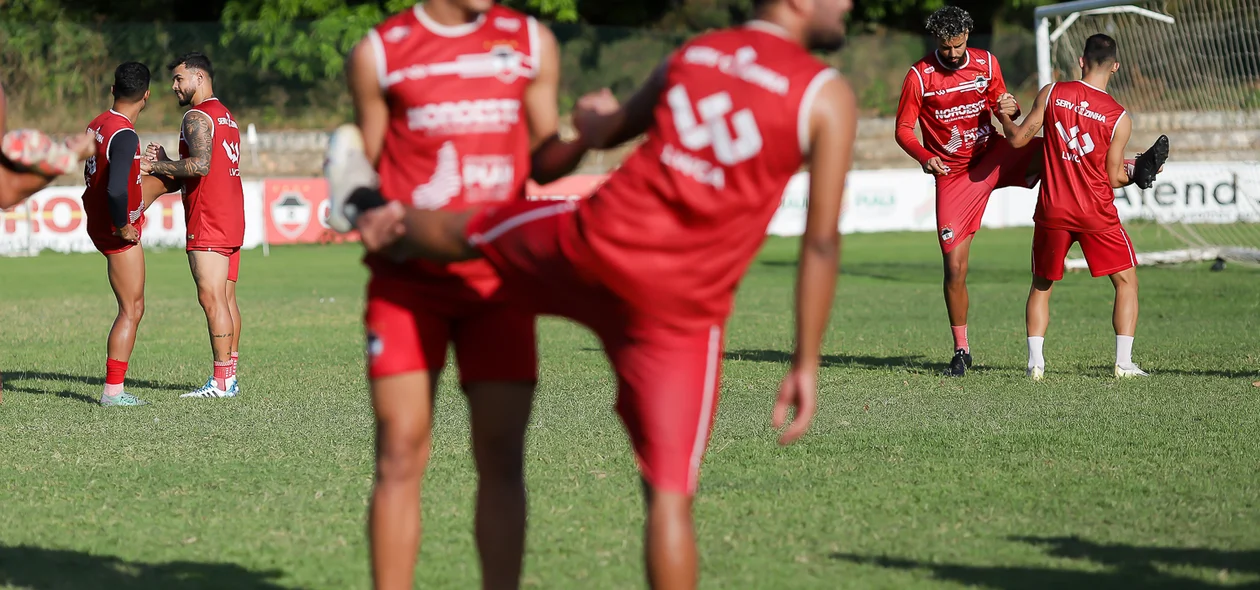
[347,168]
[1036,373]
[1130,370]
[209,390]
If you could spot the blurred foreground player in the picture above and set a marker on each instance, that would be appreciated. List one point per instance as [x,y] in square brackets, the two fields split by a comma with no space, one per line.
[953,94]
[214,211]
[115,198]
[651,262]
[451,97]
[30,160]
[1086,135]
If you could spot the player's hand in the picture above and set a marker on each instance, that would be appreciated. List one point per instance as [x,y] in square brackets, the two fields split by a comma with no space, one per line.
[935,166]
[1007,105]
[380,227]
[83,145]
[799,390]
[589,113]
[129,233]
[146,166]
[156,153]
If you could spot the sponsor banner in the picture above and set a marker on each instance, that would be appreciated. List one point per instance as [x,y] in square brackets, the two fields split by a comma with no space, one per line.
[1200,192]
[53,219]
[296,210]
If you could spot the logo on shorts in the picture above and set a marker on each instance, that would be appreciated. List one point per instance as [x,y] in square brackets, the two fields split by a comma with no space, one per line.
[291,214]
[947,234]
[192,237]
[375,346]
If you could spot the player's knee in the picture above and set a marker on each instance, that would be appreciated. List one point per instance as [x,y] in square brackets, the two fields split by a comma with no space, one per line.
[500,457]
[402,452]
[134,309]
[211,299]
[955,271]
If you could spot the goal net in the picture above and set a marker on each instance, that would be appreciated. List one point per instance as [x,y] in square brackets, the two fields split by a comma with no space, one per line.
[1189,69]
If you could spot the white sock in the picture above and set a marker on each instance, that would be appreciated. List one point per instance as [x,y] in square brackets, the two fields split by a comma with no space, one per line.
[1034,352]
[1124,350]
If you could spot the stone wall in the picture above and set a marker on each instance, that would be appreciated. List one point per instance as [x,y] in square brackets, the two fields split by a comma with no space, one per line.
[1193,136]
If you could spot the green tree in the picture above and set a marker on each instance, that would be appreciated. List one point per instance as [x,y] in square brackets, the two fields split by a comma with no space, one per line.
[308,39]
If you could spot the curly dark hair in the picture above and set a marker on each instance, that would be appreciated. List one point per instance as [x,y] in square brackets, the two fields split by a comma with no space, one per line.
[950,22]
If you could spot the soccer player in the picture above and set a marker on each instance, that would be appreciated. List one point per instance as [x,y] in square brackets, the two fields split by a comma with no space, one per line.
[114,201]
[30,160]
[651,262]
[214,210]
[450,96]
[952,94]
[1086,134]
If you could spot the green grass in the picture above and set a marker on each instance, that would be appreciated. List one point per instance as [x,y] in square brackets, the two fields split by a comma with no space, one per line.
[908,479]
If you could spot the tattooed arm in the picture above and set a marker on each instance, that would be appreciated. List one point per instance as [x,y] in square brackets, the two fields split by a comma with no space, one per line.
[199,135]
[1020,135]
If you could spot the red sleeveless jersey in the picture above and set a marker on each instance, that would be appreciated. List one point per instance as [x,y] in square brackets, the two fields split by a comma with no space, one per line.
[1076,194]
[457,135]
[954,108]
[214,205]
[96,177]
[675,228]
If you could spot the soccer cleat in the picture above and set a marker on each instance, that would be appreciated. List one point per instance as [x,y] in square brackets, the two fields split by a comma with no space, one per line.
[1130,370]
[209,390]
[1036,373]
[233,387]
[1148,163]
[347,169]
[33,150]
[121,400]
[959,364]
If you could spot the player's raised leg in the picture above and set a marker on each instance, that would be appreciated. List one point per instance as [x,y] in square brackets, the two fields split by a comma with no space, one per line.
[210,272]
[126,278]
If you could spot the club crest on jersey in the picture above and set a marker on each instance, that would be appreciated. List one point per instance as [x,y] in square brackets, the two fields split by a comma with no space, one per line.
[982,84]
[375,346]
[508,25]
[291,213]
[397,34]
[947,234]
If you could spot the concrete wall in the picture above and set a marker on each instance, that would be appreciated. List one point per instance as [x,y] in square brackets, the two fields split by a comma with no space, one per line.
[1232,136]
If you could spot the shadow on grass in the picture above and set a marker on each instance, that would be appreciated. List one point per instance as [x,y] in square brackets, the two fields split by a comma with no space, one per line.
[927,273]
[830,360]
[1128,566]
[47,569]
[62,394]
[1155,371]
[13,376]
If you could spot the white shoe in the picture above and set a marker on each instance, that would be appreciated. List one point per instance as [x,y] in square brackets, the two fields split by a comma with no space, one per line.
[1036,373]
[209,390]
[1130,370]
[347,168]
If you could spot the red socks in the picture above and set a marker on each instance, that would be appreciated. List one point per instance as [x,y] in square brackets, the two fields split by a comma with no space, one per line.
[221,374]
[235,356]
[960,338]
[115,373]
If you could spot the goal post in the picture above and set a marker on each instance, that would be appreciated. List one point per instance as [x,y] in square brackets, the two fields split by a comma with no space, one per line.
[1189,69]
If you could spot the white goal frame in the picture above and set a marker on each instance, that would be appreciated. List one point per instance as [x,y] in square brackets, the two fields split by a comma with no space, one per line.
[1196,247]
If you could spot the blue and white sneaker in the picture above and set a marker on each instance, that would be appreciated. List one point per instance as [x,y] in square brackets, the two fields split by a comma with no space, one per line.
[233,387]
[209,390]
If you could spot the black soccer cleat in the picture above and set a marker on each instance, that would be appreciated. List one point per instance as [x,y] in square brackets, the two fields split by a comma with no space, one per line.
[959,364]
[1147,165]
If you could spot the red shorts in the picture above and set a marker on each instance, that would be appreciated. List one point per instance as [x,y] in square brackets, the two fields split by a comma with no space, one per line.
[962,198]
[1107,253]
[107,243]
[233,256]
[409,331]
[667,377]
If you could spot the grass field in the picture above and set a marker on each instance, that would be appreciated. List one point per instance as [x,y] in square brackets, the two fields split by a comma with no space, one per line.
[908,479]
